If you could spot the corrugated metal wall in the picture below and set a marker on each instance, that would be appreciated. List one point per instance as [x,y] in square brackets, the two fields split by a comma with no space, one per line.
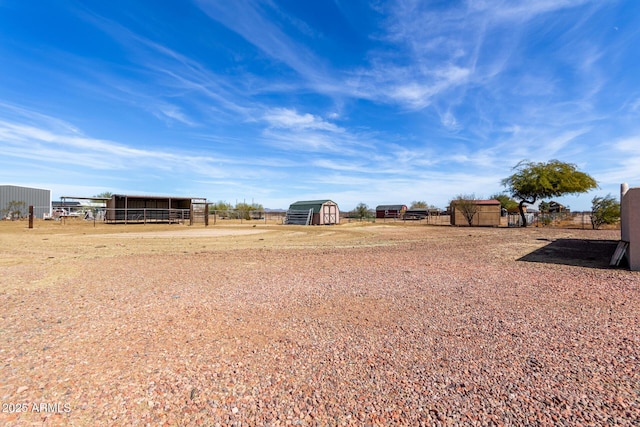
[38,198]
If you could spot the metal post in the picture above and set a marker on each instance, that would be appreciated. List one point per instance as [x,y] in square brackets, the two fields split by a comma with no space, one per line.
[30,216]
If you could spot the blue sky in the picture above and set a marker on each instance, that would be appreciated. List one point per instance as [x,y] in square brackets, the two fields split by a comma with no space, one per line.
[380,102]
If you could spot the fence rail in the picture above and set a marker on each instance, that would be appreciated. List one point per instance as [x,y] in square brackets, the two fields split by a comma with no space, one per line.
[439,219]
[247,215]
[145,215]
[563,220]
[572,220]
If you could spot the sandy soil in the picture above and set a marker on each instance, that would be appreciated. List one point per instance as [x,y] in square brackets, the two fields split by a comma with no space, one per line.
[357,324]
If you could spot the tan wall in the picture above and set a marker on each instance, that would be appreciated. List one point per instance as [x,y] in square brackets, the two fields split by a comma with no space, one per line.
[329,214]
[630,223]
[486,216]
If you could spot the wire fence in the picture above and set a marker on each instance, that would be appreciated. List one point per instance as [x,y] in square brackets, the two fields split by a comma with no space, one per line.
[581,220]
[193,216]
[144,215]
[241,216]
[21,211]
[197,215]
[433,219]
[569,220]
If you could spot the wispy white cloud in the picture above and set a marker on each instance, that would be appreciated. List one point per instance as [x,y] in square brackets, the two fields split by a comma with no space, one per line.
[53,141]
[634,106]
[159,77]
[247,18]
[289,130]
[290,119]
[175,114]
[457,47]
[443,98]
[628,169]
[617,163]
[518,11]
[629,145]
[302,141]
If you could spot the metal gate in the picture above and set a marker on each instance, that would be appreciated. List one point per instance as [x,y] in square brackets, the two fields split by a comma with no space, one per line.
[199,213]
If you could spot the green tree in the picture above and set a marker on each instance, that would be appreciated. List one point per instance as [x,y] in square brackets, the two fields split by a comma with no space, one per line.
[14,209]
[361,211]
[257,207]
[545,217]
[544,207]
[466,204]
[506,202]
[423,205]
[604,210]
[104,195]
[243,210]
[221,208]
[220,205]
[532,181]
[418,204]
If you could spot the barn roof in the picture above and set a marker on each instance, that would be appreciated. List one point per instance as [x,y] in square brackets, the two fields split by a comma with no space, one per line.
[390,207]
[310,204]
[483,202]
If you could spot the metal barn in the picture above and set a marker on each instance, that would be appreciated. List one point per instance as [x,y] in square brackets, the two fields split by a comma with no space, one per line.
[487,214]
[313,212]
[38,198]
[390,211]
[132,209]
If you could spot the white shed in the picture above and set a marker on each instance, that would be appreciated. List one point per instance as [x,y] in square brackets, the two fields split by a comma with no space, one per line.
[313,212]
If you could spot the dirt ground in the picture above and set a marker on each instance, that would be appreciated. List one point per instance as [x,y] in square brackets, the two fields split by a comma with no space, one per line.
[54,246]
[355,324]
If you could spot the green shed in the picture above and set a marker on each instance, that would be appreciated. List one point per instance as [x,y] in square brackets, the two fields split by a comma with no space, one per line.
[313,212]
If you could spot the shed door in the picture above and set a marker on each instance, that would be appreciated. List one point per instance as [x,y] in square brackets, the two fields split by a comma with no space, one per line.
[329,214]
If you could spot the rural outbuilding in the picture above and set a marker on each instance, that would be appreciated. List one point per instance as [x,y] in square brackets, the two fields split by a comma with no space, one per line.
[15,201]
[486,213]
[390,211]
[630,225]
[313,212]
[123,208]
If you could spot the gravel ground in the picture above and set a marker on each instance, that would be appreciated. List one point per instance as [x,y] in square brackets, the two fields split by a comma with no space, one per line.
[377,325]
